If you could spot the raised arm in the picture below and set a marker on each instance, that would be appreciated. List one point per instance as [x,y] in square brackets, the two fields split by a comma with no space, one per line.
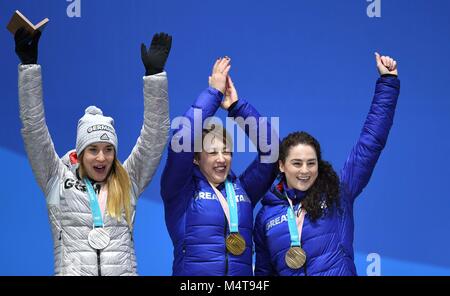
[146,154]
[362,159]
[45,163]
[260,174]
[179,166]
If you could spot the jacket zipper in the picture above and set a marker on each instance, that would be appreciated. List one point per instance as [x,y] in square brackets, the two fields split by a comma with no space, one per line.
[99,268]
[226,250]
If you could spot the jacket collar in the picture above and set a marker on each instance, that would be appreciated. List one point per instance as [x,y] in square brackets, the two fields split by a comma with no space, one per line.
[281,190]
[199,175]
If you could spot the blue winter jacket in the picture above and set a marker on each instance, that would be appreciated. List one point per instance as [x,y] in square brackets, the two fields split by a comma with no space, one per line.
[328,242]
[194,217]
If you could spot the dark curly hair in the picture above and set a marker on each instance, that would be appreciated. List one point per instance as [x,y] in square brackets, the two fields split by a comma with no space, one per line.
[324,193]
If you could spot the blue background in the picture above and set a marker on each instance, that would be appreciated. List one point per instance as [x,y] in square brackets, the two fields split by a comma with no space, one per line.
[310,63]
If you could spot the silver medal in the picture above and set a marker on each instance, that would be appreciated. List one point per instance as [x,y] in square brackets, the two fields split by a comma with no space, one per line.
[98,238]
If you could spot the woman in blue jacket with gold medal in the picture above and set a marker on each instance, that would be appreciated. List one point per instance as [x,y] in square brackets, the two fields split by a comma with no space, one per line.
[208,209]
[305,226]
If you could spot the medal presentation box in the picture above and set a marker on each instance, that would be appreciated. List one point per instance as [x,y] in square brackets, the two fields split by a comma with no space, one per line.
[18,20]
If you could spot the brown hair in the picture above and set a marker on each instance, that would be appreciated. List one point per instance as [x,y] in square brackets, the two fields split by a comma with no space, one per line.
[325,190]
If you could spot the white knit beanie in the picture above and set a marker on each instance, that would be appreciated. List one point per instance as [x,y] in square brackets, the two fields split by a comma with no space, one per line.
[94,127]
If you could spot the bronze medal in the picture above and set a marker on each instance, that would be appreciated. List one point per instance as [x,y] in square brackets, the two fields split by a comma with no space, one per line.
[295,257]
[235,244]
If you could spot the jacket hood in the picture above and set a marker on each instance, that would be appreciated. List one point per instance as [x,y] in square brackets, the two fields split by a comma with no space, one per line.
[70,160]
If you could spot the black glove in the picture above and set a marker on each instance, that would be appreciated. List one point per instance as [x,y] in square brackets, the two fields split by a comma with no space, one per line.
[27,46]
[155,58]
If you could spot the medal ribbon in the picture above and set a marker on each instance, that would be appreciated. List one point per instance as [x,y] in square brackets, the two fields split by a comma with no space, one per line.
[295,224]
[229,205]
[95,208]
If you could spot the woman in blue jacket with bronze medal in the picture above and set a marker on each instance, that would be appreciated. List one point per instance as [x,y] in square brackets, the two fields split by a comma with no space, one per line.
[305,225]
[208,209]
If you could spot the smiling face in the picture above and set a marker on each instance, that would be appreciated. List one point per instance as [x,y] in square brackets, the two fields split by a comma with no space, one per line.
[300,167]
[214,161]
[97,160]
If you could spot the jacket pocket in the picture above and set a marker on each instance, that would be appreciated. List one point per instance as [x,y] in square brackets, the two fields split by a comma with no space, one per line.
[59,266]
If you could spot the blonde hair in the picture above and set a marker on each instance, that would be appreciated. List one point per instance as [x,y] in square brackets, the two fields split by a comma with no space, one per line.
[119,190]
[215,132]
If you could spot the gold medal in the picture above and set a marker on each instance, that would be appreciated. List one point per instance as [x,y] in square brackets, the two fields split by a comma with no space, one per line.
[295,257]
[235,244]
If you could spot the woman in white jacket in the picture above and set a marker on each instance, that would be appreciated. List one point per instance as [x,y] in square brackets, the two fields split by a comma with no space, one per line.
[90,195]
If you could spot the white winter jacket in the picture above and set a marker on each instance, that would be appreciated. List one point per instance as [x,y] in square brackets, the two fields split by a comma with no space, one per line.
[67,200]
